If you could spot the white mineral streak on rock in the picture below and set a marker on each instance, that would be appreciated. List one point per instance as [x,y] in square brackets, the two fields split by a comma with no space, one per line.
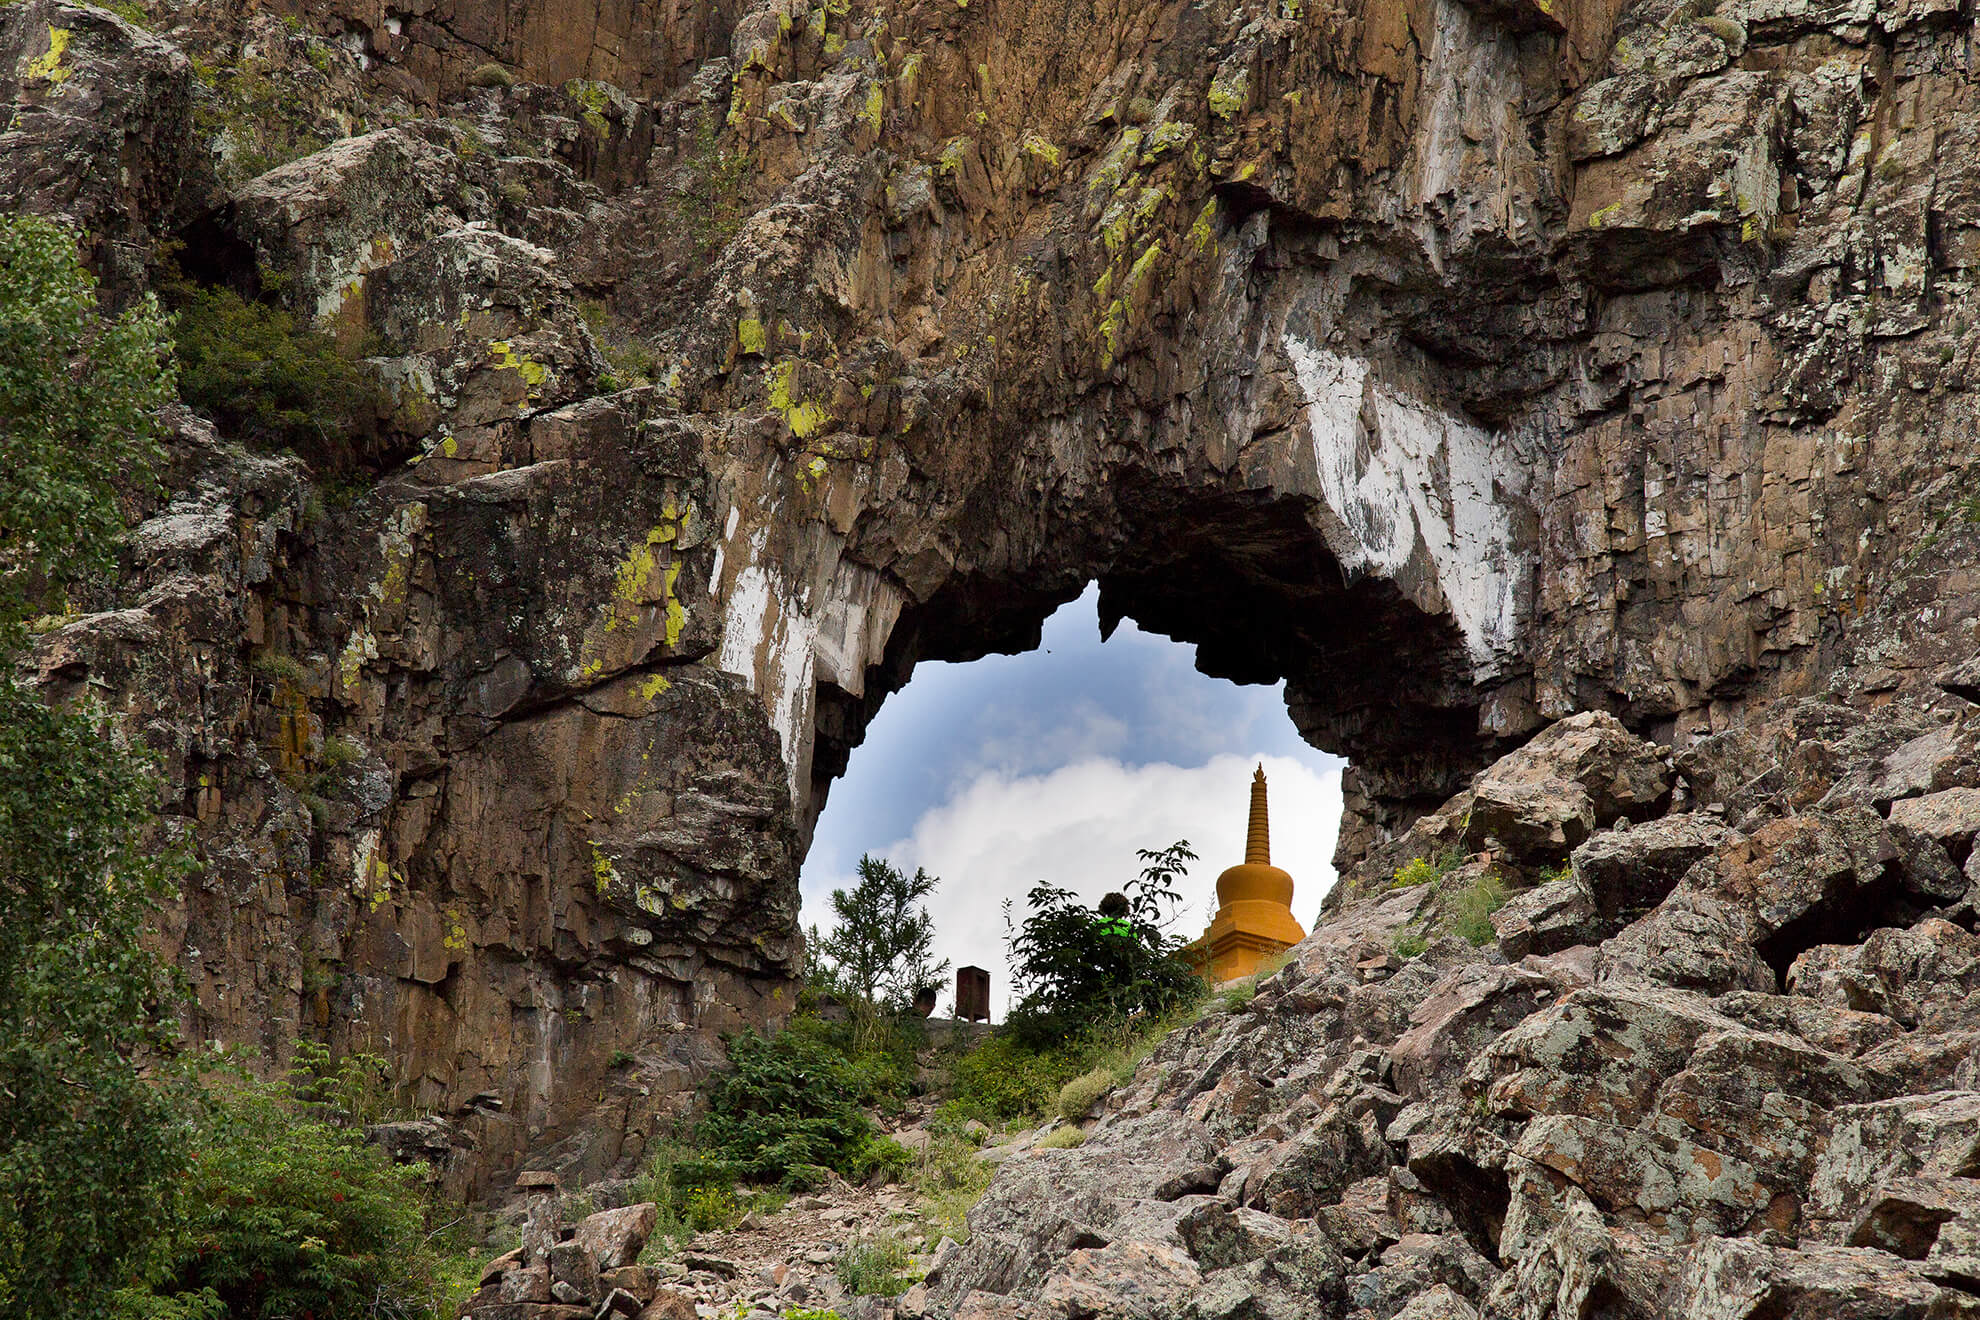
[782,642]
[1400,475]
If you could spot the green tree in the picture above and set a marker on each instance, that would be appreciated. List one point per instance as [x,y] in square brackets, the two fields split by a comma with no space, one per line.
[882,949]
[78,394]
[1072,970]
[89,1143]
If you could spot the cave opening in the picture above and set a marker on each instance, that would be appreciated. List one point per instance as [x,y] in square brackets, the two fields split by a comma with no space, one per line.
[1371,679]
[1055,765]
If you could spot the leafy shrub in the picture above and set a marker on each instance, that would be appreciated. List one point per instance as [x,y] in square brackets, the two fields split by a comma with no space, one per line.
[1075,971]
[89,1146]
[1409,943]
[878,1050]
[873,1267]
[269,380]
[1425,870]
[288,1215]
[339,751]
[355,1090]
[1005,1078]
[948,1181]
[1472,909]
[789,1104]
[1076,1097]
[711,1208]
[1062,1138]
[283,668]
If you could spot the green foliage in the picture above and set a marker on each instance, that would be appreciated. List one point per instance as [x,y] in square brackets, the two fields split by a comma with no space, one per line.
[873,1267]
[1062,1138]
[948,1180]
[492,75]
[1004,1078]
[788,1110]
[339,751]
[355,1090]
[806,1313]
[88,1145]
[77,396]
[284,668]
[287,1214]
[255,117]
[1076,972]
[1472,908]
[878,1052]
[881,947]
[711,189]
[1009,1077]
[260,375]
[1077,1096]
[1409,943]
[1425,871]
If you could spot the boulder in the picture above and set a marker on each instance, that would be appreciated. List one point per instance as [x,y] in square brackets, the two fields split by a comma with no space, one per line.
[1951,816]
[1577,775]
[99,128]
[327,220]
[1601,1053]
[1629,871]
[616,1237]
[1734,1279]
[1672,1188]
[1546,919]
[1466,1011]
[669,1304]
[1873,1145]
[1922,976]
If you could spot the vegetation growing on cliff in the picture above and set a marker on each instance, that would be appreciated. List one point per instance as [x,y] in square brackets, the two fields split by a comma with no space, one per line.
[77,394]
[250,367]
[88,1135]
[129,1186]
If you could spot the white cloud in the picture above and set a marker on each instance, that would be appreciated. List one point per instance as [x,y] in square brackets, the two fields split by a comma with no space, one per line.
[1078,826]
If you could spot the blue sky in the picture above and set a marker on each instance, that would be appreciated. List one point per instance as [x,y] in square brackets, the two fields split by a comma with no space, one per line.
[1056,765]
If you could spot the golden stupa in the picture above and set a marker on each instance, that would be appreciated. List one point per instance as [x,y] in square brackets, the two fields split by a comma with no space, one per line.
[1254,920]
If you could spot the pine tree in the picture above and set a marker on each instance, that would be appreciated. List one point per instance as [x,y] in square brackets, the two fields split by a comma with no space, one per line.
[882,950]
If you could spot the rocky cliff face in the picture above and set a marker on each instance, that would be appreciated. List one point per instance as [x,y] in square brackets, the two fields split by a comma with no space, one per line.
[1467,365]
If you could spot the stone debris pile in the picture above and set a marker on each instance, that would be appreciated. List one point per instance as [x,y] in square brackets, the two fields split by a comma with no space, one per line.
[1722,1062]
[589,1270]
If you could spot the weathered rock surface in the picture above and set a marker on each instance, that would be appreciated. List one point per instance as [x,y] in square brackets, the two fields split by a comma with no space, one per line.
[1481,1131]
[1585,380]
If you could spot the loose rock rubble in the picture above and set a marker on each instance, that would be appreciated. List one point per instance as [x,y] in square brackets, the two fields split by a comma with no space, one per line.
[1718,1071]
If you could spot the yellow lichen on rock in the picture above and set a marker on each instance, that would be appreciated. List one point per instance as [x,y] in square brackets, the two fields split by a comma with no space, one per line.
[48,66]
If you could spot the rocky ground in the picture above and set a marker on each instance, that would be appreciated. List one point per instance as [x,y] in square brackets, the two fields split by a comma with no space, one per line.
[1723,1066]
[782,1255]
[1717,1056]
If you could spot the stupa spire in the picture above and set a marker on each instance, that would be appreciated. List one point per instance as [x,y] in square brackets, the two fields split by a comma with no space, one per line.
[1254,920]
[1258,839]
